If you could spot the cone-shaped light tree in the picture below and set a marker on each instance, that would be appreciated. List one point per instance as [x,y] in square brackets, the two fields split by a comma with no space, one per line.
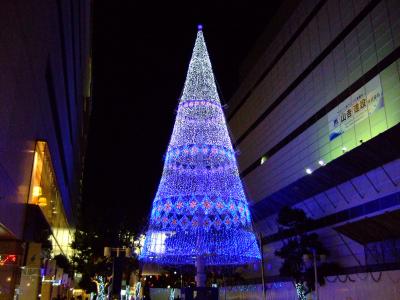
[200,212]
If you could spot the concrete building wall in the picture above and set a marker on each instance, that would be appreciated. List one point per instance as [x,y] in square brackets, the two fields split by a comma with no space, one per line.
[44,51]
[363,48]
[327,56]
[44,96]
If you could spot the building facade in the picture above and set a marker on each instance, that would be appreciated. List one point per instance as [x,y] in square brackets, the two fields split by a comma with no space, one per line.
[316,123]
[45,96]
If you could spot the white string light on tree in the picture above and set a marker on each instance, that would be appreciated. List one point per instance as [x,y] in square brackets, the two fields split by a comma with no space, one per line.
[200,208]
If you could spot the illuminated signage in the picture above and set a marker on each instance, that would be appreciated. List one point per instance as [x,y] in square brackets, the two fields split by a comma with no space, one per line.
[356,108]
[8,259]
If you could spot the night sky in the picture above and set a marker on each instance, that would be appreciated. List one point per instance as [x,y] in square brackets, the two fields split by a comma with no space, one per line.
[140,58]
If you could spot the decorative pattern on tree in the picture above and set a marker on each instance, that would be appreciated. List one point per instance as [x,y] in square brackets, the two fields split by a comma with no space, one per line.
[200,208]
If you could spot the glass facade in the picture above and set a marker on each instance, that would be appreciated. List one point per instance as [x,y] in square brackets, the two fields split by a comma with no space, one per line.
[45,193]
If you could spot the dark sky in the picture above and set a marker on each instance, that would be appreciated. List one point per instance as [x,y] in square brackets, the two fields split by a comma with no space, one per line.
[140,57]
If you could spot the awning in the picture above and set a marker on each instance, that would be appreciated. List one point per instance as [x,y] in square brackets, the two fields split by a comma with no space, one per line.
[379,228]
[376,152]
[36,226]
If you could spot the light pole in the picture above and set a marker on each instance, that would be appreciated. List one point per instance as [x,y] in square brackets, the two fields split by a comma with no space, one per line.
[262,266]
[181,281]
[315,273]
[307,262]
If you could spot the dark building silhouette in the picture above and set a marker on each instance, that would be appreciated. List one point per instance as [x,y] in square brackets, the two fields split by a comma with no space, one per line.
[45,96]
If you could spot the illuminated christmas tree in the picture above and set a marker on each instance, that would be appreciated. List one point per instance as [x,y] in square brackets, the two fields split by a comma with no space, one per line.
[200,212]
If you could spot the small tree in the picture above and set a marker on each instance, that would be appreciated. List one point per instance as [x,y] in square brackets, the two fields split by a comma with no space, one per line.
[298,249]
[64,263]
[89,257]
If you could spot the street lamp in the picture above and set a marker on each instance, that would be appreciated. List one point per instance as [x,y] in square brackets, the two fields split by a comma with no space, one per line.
[315,266]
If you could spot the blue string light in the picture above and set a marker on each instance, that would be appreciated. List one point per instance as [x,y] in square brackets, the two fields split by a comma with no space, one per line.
[200,208]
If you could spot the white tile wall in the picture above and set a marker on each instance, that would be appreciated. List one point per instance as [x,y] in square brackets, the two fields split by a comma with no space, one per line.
[304,9]
[356,59]
[298,57]
[306,99]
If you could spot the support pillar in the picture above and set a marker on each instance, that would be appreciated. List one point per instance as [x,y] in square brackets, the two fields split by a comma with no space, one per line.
[200,272]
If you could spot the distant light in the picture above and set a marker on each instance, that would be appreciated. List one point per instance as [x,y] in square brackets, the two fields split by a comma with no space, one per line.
[8,279]
[263,159]
[200,27]
[168,287]
[321,163]
[308,171]
[151,276]
[175,272]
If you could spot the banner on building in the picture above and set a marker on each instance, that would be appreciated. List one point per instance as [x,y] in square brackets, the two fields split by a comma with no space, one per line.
[361,104]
